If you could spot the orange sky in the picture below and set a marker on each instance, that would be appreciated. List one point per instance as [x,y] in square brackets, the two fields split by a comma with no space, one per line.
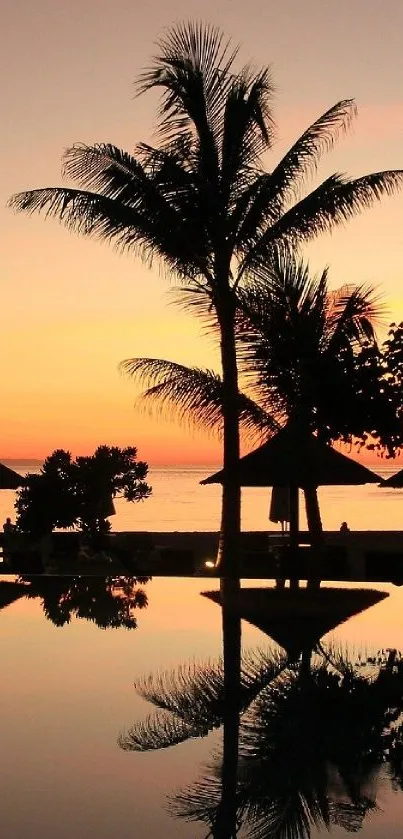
[71,308]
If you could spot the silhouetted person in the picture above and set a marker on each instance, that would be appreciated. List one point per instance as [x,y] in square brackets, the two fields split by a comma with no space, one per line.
[8,526]
[9,538]
[344,528]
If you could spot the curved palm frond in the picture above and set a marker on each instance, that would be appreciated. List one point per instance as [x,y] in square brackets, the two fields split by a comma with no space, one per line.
[148,226]
[248,130]
[200,801]
[155,177]
[303,157]
[193,69]
[267,196]
[299,345]
[353,313]
[160,731]
[334,201]
[195,692]
[192,396]
[192,700]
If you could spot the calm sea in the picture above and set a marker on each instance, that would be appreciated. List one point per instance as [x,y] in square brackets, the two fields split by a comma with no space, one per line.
[178,502]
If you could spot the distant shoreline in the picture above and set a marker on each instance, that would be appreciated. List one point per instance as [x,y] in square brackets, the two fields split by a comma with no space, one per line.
[14,462]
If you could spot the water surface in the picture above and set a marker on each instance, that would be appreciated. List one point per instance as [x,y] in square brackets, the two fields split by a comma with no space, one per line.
[68,695]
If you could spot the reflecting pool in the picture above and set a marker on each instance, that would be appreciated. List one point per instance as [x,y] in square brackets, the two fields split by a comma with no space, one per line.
[162,707]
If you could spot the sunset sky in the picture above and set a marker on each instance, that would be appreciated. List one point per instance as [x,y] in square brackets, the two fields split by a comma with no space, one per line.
[72,308]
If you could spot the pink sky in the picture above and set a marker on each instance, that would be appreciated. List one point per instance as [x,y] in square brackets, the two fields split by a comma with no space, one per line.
[71,308]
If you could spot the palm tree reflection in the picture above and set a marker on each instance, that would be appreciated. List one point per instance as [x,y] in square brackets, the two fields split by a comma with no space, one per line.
[306,739]
[109,602]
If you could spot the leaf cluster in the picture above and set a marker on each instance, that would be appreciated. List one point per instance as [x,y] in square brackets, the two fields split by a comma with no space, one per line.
[305,353]
[201,199]
[109,602]
[79,493]
[310,748]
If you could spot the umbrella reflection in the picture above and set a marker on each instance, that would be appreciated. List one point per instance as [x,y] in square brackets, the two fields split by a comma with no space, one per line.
[307,737]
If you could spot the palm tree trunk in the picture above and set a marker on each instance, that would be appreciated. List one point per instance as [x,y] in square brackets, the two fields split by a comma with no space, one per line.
[305,673]
[316,533]
[229,544]
[225,826]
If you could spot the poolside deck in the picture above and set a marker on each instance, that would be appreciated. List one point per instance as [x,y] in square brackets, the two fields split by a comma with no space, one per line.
[375,556]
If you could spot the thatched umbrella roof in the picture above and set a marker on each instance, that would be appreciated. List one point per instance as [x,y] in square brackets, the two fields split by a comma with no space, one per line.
[9,592]
[292,458]
[9,479]
[297,619]
[395,481]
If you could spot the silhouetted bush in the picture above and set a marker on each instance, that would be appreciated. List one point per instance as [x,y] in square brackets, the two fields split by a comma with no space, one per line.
[79,493]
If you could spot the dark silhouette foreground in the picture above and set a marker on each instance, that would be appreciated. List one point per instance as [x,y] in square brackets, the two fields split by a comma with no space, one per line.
[202,202]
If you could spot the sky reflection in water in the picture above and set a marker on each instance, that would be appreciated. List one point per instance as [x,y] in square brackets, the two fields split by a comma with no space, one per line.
[318,741]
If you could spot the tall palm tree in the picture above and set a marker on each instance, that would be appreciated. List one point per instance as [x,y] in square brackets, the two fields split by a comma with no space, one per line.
[311,751]
[303,742]
[197,699]
[201,200]
[299,348]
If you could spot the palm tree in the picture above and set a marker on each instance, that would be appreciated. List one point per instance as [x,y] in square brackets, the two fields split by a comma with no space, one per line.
[311,748]
[300,349]
[201,200]
[197,699]
[303,741]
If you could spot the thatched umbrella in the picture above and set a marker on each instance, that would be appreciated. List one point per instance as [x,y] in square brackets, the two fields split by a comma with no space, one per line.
[298,619]
[9,479]
[9,592]
[297,460]
[395,481]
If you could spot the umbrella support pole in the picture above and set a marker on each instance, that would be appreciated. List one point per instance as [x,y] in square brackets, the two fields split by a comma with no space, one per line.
[294,517]
[294,534]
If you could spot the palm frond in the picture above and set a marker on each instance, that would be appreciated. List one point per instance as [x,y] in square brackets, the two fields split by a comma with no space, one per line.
[336,200]
[193,69]
[197,298]
[189,395]
[297,343]
[350,816]
[84,212]
[199,802]
[160,731]
[157,178]
[141,226]
[192,396]
[353,313]
[248,130]
[290,815]
[195,692]
[103,168]
[264,201]
[192,700]
[303,157]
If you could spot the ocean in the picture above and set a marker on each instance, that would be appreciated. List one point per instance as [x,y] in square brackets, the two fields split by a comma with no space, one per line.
[179,503]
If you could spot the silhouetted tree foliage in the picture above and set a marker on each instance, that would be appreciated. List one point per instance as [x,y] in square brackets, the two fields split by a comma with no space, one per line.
[79,493]
[306,354]
[304,351]
[201,200]
[191,700]
[311,749]
[379,388]
[109,602]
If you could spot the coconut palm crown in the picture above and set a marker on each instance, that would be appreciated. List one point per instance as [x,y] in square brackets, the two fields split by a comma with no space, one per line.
[302,354]
[201,199]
